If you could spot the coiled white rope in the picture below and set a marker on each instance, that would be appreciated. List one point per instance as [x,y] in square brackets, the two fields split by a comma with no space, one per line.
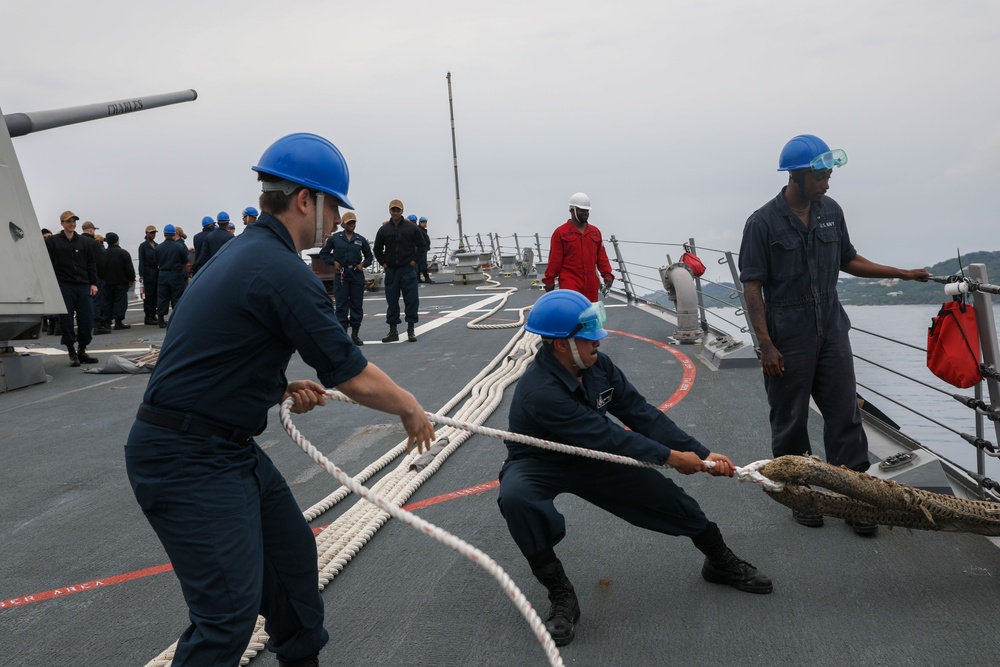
[495,285]
[401,483]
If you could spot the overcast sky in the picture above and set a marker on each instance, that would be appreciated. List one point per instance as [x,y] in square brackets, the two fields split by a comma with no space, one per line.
[669,114]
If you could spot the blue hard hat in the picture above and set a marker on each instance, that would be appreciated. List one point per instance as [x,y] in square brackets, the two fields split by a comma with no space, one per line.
[411,218]
[251,211]
[207,220]
[230,226]
[309,160]
[807,151]
[169,229]
[566,314]
[422,219]
[222,217]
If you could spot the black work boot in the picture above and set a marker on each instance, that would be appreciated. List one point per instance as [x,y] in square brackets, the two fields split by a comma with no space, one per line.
[722,566]
[149,320]
[74,360]
[84,357]
[393,335]
[102,327]
[863,528]
[810,520]
[354,336]
[311,661]
[411,336]
[565,610]
[160,321]
[120,324]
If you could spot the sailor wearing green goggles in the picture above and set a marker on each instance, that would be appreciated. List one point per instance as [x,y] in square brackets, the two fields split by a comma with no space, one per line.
[794,248]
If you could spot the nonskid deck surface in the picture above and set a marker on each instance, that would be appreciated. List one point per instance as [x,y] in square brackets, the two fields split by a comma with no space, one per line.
[85,581]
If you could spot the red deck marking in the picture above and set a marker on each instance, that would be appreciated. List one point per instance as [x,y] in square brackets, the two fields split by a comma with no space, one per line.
[470,491]
[167,567]
[86,586]
[687,379]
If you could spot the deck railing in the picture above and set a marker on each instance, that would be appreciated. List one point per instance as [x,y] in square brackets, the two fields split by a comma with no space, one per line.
[642,282]
[637,265]
[643,279]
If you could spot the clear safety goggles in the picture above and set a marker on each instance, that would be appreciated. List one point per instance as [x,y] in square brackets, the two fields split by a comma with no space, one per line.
[591,322]
[829,160]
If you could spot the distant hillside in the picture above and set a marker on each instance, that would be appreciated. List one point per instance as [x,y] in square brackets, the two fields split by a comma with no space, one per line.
[871,292]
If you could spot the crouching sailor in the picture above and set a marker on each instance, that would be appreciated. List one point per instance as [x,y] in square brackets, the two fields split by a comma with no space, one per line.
[565,396]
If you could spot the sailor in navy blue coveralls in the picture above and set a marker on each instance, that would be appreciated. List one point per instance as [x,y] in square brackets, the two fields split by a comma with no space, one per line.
[800,267]
[349,256]
[794,248]
[551,402]
[172,258]
[797,269]
[225,515]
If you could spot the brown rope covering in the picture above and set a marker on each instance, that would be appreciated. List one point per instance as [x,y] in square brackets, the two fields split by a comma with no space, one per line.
[862,497]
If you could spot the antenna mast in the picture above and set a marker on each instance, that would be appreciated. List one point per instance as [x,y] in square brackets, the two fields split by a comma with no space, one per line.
[454,152]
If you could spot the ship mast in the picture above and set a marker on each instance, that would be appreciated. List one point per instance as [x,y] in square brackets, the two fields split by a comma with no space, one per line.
[454,152]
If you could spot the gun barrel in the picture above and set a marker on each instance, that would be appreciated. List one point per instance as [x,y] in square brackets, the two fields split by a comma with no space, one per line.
[19,124]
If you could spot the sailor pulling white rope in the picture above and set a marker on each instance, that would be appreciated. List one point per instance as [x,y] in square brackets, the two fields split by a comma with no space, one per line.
[472,553]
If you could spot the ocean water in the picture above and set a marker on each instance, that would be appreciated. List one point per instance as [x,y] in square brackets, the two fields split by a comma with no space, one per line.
[908,324]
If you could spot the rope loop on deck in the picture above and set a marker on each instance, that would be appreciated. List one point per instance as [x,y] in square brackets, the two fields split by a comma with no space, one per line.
[496,286]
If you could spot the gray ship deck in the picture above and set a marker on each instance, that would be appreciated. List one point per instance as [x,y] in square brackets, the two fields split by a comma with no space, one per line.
[69,518]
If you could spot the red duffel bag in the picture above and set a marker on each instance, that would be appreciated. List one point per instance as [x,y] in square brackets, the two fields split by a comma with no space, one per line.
[953,345]
[693,263]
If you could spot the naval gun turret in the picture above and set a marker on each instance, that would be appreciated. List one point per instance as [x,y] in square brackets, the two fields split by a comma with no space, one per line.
[28,287]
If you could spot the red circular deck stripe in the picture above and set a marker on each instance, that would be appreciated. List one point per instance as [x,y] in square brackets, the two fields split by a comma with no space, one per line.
[687,379]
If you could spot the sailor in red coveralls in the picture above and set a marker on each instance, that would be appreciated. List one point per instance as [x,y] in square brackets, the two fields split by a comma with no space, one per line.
[576,249]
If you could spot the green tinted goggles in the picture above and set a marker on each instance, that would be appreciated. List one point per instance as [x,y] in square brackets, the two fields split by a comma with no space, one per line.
[591,323]
[829,160]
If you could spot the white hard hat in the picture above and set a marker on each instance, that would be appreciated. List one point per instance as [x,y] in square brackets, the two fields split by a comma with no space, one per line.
[580,201]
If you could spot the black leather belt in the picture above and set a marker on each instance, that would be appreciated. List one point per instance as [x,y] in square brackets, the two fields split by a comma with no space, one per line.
[187,423]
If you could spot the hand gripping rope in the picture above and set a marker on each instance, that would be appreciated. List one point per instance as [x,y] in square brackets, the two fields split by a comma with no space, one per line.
[457,544]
